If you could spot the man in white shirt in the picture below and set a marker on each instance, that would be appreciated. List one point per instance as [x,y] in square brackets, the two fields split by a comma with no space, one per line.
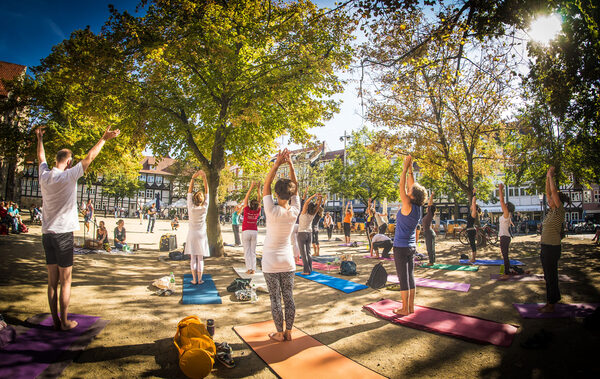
[60,219]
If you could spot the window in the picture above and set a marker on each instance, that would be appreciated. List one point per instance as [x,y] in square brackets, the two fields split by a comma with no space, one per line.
[150,179]
[149,193]
[587,196]
[511,192]
[522,190]
[159,179]
[143,177]
[497,194]
[596,196]
[567,217]
[576,196]
[166,180]
[574,216]
[141,193]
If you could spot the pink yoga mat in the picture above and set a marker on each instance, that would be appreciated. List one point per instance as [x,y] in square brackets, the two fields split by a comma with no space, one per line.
[320,266]
[530,278]
[530,310]
[469,328]
[433,283]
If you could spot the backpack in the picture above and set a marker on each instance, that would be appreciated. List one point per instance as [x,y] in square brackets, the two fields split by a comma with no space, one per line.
[348,268]
[378,277]
[196,347]
[239,284]
[23,228]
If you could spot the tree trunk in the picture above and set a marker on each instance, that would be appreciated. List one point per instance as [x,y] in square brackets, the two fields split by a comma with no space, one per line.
[11,180]
[213,226]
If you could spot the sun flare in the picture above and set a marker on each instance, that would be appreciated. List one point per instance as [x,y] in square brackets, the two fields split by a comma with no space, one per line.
[544,29]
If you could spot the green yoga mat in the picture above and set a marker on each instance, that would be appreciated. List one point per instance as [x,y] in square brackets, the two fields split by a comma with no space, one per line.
[439,266]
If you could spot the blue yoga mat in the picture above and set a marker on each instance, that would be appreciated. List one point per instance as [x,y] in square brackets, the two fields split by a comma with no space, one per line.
[492,262]
[324,258]
[343,285]
[205,293]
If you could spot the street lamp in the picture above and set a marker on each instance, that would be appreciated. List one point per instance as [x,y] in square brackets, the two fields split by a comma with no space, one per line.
[344,139]
[541,197]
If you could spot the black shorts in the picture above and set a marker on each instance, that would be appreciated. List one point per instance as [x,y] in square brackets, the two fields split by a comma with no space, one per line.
[347,229]
[58,248]
[315,236]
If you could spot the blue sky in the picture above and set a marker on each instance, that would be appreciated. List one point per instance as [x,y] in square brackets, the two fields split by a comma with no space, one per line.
[31,27]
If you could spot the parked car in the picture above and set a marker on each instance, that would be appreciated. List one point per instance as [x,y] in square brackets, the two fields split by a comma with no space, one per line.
[455,226]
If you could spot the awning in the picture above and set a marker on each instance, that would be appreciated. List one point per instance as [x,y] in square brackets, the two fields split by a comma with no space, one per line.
[518,208]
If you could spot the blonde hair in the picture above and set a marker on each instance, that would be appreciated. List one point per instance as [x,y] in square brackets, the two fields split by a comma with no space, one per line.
[198,198]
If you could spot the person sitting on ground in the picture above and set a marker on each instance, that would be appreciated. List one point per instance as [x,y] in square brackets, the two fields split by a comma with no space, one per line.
[175,223]
[120,235]
[278,258]
[15,217]
[380,241]
[505,221]
[348,215]
[413,196]
[309,210]
[196,243]
[428,230]
[5,219]
[250,228]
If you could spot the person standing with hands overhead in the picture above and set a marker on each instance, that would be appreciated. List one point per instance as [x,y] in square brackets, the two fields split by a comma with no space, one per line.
[278,259]
[196,243]
[504,225]
[428,230]
[413,196]
[348,214]
[60,220]
[250,228]
[472,224]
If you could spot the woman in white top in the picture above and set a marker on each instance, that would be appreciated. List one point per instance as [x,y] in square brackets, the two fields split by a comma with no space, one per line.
[278,263]
[504,232]
[328,225]
[309,210]
[196,243]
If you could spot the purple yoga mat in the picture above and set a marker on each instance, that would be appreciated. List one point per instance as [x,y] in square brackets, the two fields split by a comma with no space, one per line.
[433,283]
[33,351]
[530,310]
[381,258]
[530,278]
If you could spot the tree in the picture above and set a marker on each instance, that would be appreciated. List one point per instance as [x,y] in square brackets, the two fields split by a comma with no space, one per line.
[120,186]
[217,79]
[368,173]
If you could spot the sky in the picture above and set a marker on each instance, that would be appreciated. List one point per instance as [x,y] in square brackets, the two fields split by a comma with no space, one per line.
[32,27]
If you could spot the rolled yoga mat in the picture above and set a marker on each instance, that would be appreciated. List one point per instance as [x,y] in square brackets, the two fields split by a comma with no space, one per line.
[530,310]
[343,285]
[529,278]
[205,293]
[433,283]
[320,266]
[302,357]
[452,324]
[45,352]
[491,262]
[257,278]
[439,266]
[324,258]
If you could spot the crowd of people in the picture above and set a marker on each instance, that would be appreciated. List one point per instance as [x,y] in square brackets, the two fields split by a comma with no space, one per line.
[10,218]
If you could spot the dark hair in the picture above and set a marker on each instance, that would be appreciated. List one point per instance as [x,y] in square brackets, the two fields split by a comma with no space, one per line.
[478,208]
[312,209]
[511,207]
[419,194]
[253,204]
[63,155]
[564,198]
[285,189]
[432,208]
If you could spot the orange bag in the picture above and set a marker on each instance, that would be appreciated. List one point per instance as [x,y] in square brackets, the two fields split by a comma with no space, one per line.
[196,348]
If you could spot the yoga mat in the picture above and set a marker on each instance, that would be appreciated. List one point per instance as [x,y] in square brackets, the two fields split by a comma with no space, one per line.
[491,262]
[324,258]
[452,324]
[433,283]
[343,285]
[257,278]
[530,310]
[302,357]
[439,266]
[319,266]
[43,351]
[358,243]
[380,258]
[530,278]
[205,293]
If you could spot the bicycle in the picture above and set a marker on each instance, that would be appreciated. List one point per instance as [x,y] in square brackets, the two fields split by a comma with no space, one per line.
[486,234]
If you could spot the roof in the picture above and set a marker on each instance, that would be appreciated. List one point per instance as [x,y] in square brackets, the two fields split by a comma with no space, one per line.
[331,155]
[163,166]
[9,71]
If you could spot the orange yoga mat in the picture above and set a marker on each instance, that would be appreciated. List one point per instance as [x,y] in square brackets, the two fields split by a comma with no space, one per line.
[303,357]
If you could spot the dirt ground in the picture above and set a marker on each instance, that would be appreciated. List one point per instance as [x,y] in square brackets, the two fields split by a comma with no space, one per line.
[138,340]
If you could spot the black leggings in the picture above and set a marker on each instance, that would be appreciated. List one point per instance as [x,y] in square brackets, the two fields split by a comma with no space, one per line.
[329,231]
[347,229]
[504,245]
[549,255]
[403,258]
[385,245]
[471,234]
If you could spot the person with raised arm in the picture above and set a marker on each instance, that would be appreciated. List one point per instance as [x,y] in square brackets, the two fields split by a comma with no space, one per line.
[428,230]
[60,220]
[348,214]
[315,227]
[472,224]
[196,243]
[381,218]
[550,250]
[294,237]
[278,263]
[235,224]
[505,222]
[413,196]
[250,228]
[309,210]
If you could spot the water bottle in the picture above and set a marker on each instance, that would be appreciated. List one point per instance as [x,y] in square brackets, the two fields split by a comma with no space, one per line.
[253,295]
[502,269]
[210,327]
[172,281]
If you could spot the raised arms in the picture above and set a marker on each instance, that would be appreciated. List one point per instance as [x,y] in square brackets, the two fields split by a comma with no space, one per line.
[406,168]
[271,174]
[248,195]
[306,202]
[474,205]
[94,151]
[551,188]
[505,212]
[196,175]
[41,154]
[430,199]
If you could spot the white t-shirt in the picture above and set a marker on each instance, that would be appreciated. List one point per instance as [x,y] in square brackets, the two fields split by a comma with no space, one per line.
[305,222]
[59,194]
[380,238]
[504,226]
[277,251]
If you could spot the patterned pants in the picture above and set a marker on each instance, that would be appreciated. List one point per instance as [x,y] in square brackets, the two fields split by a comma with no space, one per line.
[281,284]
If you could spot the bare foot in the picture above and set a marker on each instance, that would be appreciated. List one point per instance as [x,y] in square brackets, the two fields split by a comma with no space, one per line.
[252,272]
[548,308]
[248,271]
[194,281]
[277,337]
[200,281]
[287,335]
[68,325]
[401,312]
